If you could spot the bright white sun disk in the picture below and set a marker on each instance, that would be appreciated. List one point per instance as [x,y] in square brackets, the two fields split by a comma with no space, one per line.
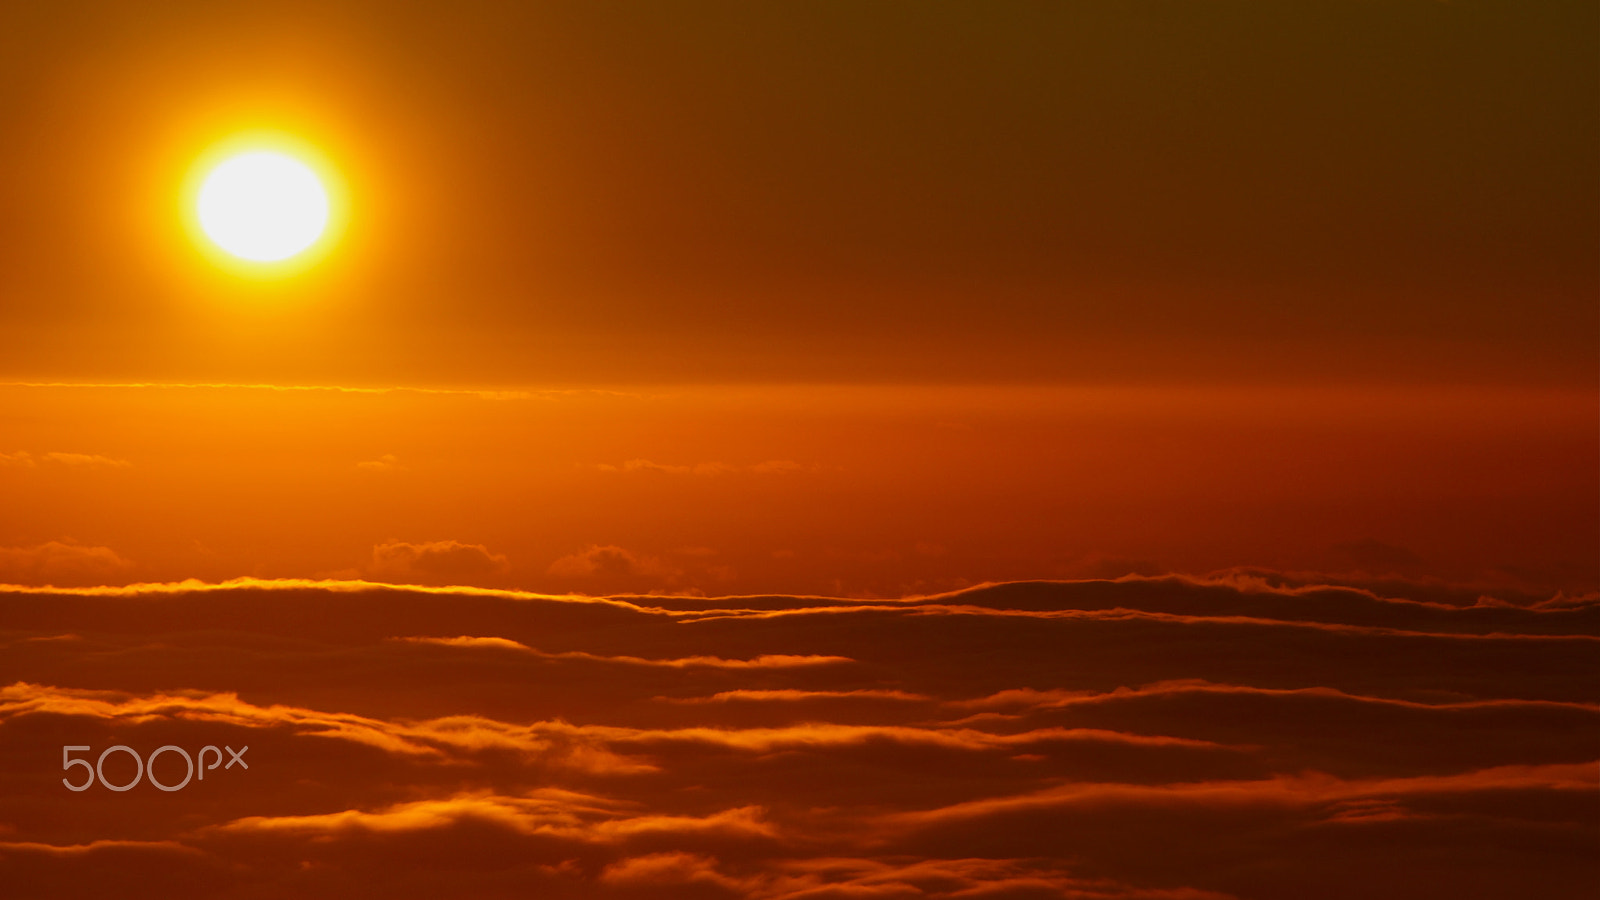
[263,206]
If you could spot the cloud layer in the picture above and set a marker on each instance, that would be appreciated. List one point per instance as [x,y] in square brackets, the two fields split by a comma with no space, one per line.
[1143,738]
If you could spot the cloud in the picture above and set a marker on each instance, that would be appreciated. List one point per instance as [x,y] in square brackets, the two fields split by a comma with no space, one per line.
[1062,699]
[768,661]
[72,850]
[1100,566]
[768,467]
[1374,555]
[87,460]
[385,463]
[555,743]
[779,467]
[645,465]
[658,869]
[1009,740]
[684,573]
[436,561]
[840,878]
[24,459]
[61,563]
[608,560]
[561,814]
[472,733]
[1313,791]
[792,696]
[314,388]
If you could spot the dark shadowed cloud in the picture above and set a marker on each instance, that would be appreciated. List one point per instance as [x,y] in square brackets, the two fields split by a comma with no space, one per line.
[1169,737]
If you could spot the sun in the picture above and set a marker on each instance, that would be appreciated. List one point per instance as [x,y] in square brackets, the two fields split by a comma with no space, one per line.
[263,206]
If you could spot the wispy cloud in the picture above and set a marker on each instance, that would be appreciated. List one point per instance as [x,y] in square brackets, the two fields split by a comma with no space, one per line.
[761,662]
[768,467]
[436,561]
[608,560]
[383,464]
[61,563]
[24,459]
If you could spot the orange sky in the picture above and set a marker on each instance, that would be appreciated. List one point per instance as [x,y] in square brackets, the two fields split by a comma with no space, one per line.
[1136,234]
[807,450]
[563,193]
[852,490]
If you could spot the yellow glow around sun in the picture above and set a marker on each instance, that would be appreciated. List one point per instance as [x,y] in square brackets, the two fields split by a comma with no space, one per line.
[263,206]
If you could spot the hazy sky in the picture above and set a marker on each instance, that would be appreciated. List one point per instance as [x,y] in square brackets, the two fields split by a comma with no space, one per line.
[604,193]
